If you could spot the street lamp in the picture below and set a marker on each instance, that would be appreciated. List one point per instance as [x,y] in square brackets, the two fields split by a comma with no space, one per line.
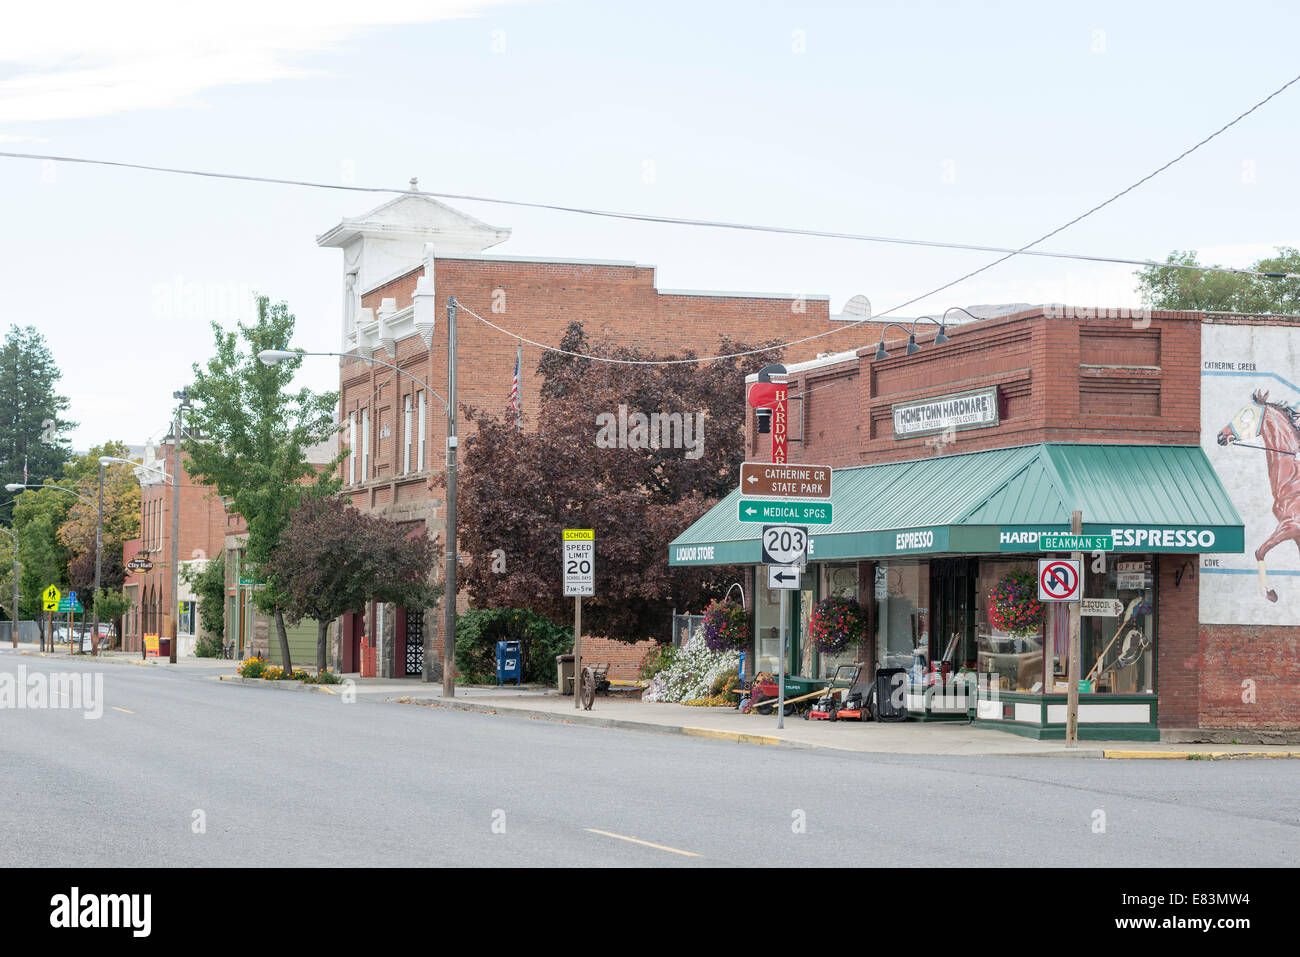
[99,546]
[270,357]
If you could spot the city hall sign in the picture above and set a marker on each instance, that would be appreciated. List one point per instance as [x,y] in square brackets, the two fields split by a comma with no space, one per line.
[964,410]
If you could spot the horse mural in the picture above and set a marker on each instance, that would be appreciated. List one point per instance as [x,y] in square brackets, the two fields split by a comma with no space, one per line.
[1274,428]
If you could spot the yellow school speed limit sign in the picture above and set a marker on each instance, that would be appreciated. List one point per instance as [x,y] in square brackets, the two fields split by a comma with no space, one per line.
[50,599]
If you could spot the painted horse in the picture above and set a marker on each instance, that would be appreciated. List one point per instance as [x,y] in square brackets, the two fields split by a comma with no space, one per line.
[1273,427]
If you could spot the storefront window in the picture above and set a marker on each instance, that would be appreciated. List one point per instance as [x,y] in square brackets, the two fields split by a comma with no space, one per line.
[839,581]
[902,597]
[1118,626]
[1014,661]
[767,619]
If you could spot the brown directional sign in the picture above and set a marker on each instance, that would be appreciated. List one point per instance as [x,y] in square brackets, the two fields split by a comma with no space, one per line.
[785,481]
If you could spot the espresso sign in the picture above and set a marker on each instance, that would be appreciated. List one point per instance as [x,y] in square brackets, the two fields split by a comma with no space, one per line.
[966,410]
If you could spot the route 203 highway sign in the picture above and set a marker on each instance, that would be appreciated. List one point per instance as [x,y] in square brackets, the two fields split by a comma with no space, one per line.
[785,545]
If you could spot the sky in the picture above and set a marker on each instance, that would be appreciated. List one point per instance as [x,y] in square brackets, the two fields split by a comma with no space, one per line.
[988,123]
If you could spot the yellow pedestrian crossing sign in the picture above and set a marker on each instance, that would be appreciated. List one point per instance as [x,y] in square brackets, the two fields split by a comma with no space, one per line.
[50,599]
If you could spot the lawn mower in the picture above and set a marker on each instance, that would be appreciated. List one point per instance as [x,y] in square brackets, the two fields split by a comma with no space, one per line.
[855,703]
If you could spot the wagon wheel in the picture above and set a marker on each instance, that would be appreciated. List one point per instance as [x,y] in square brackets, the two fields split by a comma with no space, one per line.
[588,691]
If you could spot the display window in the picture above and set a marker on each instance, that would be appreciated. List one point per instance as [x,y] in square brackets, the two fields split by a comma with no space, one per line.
[839,580]
[1010,624]
[1118,626]
[901,593]
[1020,639]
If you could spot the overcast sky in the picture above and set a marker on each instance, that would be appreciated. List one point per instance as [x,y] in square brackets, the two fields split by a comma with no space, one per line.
[984,123]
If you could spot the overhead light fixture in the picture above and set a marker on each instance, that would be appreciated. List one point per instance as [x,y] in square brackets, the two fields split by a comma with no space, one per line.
[911,342]
[942,337]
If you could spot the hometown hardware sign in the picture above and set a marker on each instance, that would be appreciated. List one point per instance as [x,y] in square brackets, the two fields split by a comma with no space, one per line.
[962,410]
[579,559]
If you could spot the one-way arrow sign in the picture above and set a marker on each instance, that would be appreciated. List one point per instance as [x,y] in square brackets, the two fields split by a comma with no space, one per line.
[783,576]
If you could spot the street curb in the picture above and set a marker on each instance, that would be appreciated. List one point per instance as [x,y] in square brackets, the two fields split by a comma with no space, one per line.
[621,724]
[740,737]
[280,684]
[94,658]
[1195,755]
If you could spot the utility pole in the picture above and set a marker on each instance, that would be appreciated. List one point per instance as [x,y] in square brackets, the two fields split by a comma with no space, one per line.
[172,630]
[99,554]
[1072,671]
[14,633]
[449,594]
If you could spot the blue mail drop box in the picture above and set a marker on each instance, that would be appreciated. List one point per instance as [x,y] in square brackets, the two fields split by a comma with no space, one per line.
[509,662]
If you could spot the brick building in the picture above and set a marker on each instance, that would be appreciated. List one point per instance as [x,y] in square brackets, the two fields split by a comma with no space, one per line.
[202,527]
[952,463]
[402,261]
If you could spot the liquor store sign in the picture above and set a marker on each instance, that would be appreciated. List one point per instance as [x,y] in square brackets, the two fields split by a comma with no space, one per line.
[963,410]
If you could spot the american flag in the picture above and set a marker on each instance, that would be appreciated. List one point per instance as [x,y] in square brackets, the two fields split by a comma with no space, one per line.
[514,386]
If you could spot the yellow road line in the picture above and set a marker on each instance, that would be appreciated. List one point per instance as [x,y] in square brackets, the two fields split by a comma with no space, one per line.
[634,840]
[123,710]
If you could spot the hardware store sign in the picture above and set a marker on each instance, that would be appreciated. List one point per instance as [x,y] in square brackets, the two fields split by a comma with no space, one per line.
[965,410]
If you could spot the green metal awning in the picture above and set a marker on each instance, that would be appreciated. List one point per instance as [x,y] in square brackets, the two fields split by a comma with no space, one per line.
[1163,498]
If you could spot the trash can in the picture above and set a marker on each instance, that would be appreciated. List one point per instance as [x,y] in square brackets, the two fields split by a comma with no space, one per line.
[890,692]
[509,662]
[564,670]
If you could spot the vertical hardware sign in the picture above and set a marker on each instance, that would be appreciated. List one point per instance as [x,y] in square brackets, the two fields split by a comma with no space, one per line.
[779,425]
[579,557]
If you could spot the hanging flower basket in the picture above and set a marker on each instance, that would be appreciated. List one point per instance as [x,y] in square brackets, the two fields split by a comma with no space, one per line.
[1014,606]
[726,626]
[836,624]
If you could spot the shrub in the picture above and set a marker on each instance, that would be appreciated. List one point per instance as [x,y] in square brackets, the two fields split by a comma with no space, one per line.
[325,677]
[207,646]
[252,667]
[479,630]
[727,626]
[693,672]
[273,673]
[656,660]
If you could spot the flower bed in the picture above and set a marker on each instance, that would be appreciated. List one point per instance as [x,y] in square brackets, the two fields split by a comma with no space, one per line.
[693,671]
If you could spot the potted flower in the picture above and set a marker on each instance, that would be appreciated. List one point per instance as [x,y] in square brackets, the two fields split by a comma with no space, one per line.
[835,624]
[1014,606]
[726,626]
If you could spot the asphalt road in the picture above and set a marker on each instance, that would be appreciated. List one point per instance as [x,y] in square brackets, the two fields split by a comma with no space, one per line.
[278,778]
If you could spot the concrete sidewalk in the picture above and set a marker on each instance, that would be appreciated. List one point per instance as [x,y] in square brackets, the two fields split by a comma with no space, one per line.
[930,738]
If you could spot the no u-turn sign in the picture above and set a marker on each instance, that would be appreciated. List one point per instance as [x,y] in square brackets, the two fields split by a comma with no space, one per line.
[1059,579]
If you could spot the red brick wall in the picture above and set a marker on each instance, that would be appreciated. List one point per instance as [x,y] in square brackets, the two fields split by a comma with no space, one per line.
[624,659]
[1179,666]
[1266,656]
[1060,379]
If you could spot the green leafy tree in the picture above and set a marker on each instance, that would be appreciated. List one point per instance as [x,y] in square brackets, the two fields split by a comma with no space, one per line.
[38,514]
[333,559]
[33,432]
[1165,287]
[112,605]
[520,489]
[209,585]
[121,517]
[255,433]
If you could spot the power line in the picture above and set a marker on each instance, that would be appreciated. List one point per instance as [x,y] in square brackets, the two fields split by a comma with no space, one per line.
[1009,251]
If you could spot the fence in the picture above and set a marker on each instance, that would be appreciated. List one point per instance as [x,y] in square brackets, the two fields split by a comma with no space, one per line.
[684,626]
[27,631]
